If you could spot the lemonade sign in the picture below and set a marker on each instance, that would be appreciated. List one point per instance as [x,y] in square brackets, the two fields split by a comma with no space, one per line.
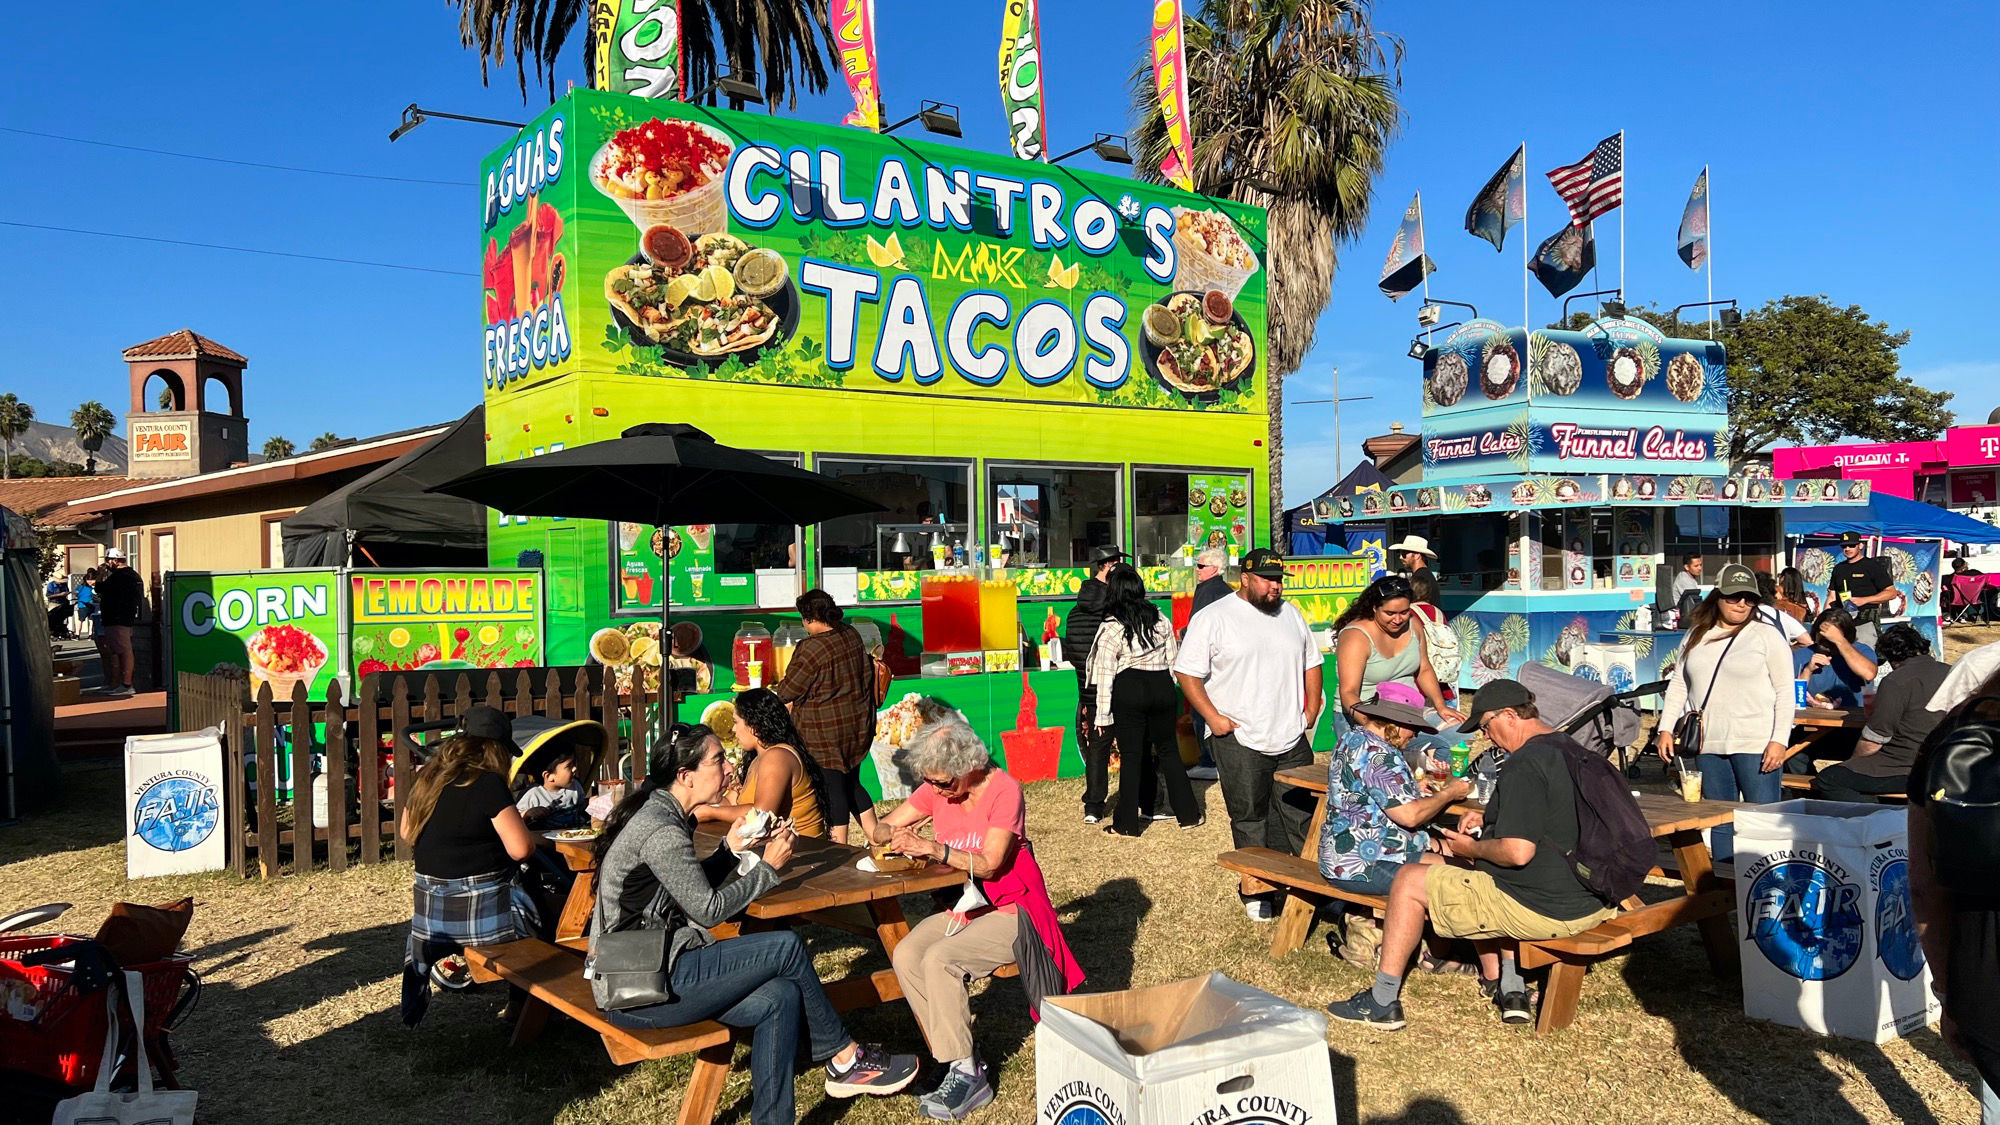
[402,620]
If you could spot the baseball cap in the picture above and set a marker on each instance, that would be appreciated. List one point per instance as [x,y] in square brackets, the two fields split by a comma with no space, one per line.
[489,722]
[114,553]
[1107,553]
[1265,563]
[1736,579]
[1497,695]
[1850,539]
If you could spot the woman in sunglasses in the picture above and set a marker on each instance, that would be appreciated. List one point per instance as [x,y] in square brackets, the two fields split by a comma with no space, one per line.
[1379,643]
[978,825]
[1737,672]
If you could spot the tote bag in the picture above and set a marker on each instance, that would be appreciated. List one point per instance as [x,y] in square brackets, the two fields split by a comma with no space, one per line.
[145,1106]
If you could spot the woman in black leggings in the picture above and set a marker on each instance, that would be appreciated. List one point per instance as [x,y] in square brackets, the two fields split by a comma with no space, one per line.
[1130,664]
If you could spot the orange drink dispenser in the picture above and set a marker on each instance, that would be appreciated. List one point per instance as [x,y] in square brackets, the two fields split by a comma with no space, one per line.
[951,612]
[751,655]
[999,614]
[783,643]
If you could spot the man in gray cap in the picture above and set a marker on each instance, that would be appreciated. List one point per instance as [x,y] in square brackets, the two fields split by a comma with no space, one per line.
[1519,885]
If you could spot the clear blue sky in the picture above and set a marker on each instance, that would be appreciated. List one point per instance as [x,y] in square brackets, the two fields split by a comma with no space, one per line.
[1852,148]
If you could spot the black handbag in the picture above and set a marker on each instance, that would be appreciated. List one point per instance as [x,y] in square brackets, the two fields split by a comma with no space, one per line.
[1688,730]
[1957,780]
[628,969]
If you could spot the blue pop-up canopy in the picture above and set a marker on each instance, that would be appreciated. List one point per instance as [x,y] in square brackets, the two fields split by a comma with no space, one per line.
[1891,517]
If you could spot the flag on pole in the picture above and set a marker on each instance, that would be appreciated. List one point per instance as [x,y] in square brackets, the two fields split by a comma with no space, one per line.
[1563,258]
[1021,78]
[854,31]
[636,48]
[1594,185]
[1407,265]
[1502,202]
[1694,224]
[1170,85]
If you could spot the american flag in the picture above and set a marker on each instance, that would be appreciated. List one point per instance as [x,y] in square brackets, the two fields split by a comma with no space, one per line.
[1595,184]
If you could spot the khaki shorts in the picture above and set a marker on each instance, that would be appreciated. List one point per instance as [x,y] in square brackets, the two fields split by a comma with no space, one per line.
[1468,904]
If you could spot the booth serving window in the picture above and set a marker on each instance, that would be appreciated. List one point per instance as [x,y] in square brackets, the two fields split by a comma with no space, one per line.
[1176,513]
[1475,552]
[1048,516]
[711,565]
[925,502]
[1719,535]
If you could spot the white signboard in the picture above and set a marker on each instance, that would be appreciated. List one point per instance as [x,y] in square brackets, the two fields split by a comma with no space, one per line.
[173,804]
[162,439]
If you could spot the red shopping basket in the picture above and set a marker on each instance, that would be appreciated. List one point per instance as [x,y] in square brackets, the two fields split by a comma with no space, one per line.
[50,1029]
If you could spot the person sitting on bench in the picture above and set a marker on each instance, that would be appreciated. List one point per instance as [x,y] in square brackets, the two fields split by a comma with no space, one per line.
[1375,808]
[1519,885]
[649,877]
[1896,727]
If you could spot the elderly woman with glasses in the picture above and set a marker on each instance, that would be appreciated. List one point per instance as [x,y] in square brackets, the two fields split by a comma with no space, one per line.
[978,825]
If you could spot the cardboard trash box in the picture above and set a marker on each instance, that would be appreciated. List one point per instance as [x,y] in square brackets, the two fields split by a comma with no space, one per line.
[1202,1051]
[1829,942]
[174,820]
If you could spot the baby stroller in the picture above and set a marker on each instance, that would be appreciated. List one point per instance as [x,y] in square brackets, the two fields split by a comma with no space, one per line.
[1605,721]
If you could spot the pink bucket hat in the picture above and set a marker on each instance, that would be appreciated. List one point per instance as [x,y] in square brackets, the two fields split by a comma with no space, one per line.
[1396,692]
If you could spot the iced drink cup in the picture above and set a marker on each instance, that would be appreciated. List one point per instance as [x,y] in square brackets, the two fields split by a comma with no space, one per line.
[1690,785]
[755,668]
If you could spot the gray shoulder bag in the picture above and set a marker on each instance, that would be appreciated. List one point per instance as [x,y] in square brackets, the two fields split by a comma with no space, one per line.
[628,968]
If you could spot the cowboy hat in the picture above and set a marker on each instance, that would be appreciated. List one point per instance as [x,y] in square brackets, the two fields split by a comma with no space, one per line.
[1416,543]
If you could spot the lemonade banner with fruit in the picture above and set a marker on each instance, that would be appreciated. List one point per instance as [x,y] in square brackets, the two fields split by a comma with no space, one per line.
[1323,587]
[1219,513]
[635,239]
[401,620]
[276,627]
[644,557]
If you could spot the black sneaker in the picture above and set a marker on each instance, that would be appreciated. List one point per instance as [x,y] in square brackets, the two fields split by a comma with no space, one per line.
[872,1071]
[1514,1007]
[1490,989]
[1362,1007]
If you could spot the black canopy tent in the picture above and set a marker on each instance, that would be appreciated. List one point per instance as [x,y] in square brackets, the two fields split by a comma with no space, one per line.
[388,519]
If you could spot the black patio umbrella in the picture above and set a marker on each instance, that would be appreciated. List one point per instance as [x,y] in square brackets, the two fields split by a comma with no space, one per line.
[662,474]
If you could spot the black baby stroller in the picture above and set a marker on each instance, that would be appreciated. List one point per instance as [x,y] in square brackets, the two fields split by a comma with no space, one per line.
[1605,721]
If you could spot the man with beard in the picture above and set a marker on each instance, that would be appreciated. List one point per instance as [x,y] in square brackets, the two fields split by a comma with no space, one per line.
[1249,667]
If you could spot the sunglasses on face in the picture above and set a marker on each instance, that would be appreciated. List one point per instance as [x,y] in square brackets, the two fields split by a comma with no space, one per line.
[934,783]
[1740,598]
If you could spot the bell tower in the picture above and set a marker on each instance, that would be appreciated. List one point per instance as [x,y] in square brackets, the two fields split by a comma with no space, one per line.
[188,429]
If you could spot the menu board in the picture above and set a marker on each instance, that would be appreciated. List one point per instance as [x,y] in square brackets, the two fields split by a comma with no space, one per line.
[402,620]
[642,572]
[1219,512]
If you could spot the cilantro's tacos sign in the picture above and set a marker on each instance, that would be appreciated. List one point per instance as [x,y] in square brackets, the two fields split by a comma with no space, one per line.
[653,239]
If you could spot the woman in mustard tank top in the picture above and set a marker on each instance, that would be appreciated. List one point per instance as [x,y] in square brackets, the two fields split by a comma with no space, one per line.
[783,780]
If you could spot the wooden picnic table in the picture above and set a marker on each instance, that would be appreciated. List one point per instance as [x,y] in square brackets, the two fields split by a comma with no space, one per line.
[821,884]
[1815,723]
[1679,823]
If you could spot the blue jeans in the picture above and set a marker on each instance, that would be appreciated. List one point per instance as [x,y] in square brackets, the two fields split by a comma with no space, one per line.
[1736,777]
[762,981]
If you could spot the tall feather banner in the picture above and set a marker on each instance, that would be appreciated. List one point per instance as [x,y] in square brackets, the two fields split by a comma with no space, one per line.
[1407,265]
[636,48]
[854,31]
[1021,78]
[1694,224]
[1170,83]
[1502,202]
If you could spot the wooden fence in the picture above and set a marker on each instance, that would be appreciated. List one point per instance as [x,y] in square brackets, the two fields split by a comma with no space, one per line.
[271,826]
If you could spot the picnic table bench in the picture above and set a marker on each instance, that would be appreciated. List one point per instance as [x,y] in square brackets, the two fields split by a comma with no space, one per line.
[1706,902]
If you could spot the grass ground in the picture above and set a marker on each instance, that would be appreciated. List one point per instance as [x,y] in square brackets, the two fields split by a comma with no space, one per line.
[299,1021]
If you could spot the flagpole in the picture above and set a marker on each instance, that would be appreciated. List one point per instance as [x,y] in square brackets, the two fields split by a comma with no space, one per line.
[1708,210]
[1624,173]
[1421,254]
[1526,324]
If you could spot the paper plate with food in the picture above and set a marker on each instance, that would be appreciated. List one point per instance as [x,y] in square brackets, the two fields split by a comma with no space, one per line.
[1196,344]
[573,835]
[881,861]
[703,299]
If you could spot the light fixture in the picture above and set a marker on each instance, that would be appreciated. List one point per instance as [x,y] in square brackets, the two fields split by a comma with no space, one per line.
[1419,349]
[734,88]
[1261,181]
[1108,147]
[937,117]
[1428,316]
[414,115]
[901,546]
[1615,307]
[1730,317]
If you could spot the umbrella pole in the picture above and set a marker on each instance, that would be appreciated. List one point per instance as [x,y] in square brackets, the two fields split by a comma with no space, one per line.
[669,697]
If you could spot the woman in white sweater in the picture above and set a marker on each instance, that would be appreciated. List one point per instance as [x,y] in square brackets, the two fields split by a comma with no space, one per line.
[1737,671]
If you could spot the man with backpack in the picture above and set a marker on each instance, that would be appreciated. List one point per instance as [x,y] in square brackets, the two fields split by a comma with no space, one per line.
[1558,816]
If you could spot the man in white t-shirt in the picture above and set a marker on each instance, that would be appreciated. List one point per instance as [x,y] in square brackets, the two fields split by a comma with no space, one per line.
[1249,667]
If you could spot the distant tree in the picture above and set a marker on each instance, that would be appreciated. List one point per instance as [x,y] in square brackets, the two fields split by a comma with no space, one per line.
[15,417]
[1806,371]
[326,440]
[25,466]
[48,552]
[92,423]
[277,448]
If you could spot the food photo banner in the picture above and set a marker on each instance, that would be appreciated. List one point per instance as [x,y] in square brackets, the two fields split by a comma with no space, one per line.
[1612,365]
[655,239]
[275,627]
[403,620]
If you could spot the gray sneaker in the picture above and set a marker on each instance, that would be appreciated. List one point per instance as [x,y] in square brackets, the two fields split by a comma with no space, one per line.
[958,1096]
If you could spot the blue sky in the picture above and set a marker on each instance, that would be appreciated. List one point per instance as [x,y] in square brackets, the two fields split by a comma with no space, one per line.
[1852,151]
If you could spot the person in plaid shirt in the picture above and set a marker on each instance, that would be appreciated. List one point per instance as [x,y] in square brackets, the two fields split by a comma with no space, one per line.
[830,687]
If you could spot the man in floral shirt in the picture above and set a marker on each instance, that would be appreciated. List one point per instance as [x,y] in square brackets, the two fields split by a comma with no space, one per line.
[1375,810]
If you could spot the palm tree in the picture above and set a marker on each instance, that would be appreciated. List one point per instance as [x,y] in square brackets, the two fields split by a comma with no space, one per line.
[15,417]
[277,448]
[326,440]
[781,39]
[166,398]
[92,423]
[1300,94]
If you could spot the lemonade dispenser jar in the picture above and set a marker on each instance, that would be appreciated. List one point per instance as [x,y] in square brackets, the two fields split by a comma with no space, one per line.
[783,643]
[752,654]
[999,615]
[950,612]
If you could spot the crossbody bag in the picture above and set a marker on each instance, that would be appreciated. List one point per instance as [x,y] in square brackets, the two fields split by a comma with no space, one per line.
[1689,730]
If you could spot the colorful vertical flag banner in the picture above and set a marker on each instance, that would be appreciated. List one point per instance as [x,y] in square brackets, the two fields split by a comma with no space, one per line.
[1021,78]
[854,31]
[1502,202]
[1563,258]
[1694,224]
[1170,83]
[636,48]
[1594,185]
[1407,265]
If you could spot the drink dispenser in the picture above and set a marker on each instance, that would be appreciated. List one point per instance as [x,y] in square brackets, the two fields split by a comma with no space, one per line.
[752,655]
[783,643]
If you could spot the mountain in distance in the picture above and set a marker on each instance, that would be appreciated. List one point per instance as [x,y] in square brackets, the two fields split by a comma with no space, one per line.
[45,442]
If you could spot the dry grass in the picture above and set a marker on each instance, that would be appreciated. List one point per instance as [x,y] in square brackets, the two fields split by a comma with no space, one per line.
[300,1023]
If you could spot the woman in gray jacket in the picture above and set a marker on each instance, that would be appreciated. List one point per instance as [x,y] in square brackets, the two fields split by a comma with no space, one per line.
[650,877]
